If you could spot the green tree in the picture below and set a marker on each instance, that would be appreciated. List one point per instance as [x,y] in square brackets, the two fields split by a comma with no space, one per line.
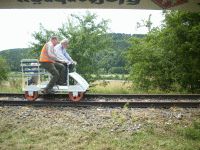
[13,57]
[87,37]
[184,27]
[40,38]
[113,60]
[4,70]
[168,58]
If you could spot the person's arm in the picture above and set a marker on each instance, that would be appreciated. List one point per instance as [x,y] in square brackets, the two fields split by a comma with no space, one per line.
[50,50]
[68,57]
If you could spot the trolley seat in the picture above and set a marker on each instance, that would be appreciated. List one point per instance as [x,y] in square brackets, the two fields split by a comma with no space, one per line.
[32,73]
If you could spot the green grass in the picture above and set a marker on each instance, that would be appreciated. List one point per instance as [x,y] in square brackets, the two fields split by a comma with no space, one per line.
[111,76]
[192,132]
[121,87]
[111,87]
[13,85]
[48,128]
[33,136]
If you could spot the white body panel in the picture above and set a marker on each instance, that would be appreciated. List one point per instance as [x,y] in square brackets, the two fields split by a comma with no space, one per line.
[34,70]
[81,82]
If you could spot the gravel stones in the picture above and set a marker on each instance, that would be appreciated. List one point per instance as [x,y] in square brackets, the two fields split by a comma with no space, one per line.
[114,119]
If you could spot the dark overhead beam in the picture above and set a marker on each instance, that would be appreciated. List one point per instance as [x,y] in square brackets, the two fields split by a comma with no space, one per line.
[190,5]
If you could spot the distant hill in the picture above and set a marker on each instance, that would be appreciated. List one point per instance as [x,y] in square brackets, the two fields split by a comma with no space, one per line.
[120,45]
[14,56]
[114,62]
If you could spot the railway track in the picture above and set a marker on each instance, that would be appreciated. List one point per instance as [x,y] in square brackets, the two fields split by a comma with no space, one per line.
[127,96]
[104,100]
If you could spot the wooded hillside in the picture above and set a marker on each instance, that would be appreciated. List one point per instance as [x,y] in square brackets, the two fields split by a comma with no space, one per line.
[112,62]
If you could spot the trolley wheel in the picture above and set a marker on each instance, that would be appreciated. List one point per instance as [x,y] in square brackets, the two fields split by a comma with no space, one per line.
[31,98]
[76,98]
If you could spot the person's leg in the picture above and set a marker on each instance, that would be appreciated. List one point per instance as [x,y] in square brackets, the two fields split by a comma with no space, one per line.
[71,67]
[61,68]
[66,72]
[50,67]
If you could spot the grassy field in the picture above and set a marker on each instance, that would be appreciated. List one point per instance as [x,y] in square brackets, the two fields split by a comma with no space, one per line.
[102,86]
[111,87]
[113,129]
[23,128]
[11,86]
[110,84]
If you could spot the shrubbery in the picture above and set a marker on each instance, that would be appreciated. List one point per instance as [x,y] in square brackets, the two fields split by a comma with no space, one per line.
[4,70]
[168,58]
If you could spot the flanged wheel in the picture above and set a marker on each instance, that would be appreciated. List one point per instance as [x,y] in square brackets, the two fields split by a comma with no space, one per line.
[31,97]
[75,98]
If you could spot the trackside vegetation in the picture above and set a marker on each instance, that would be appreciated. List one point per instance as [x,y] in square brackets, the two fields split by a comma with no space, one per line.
[98,129]
[87,37]
[168,58]
[4,70]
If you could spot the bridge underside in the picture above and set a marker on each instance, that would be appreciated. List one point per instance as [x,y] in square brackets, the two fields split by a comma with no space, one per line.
[190,5]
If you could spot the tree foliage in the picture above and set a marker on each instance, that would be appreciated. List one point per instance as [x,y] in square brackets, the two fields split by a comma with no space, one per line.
[41,37]
[87,37]
[108,61]
[113,60]
[13,57]
[168,58]
[4,70]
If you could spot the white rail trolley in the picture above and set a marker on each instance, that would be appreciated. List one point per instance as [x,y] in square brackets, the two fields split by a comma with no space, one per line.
[35,79]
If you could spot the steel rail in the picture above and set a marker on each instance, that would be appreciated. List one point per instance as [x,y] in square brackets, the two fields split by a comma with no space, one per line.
[160,103]
[145,96]
[127,96]
[128,104]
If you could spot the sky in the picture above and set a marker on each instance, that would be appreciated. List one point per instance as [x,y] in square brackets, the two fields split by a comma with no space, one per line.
[18,25]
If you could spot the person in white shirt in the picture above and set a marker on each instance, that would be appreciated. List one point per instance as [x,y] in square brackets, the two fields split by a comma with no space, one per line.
[61,53]
[62,56]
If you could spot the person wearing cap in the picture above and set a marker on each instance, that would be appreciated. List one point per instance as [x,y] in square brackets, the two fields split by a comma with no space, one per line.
[47,61]
[63,56]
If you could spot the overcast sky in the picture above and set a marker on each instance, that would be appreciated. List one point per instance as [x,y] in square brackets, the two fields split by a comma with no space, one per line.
[17,25]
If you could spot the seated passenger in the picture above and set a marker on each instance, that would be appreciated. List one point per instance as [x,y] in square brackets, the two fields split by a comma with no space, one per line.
[47,61]
[63,57]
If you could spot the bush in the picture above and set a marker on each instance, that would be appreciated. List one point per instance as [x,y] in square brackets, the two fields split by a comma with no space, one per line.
[117,70]
[167,56]
[4,70]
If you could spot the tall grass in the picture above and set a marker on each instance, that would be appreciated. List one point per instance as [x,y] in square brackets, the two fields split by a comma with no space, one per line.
[192,132]
[111,87]
[118,85]
[13,85]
